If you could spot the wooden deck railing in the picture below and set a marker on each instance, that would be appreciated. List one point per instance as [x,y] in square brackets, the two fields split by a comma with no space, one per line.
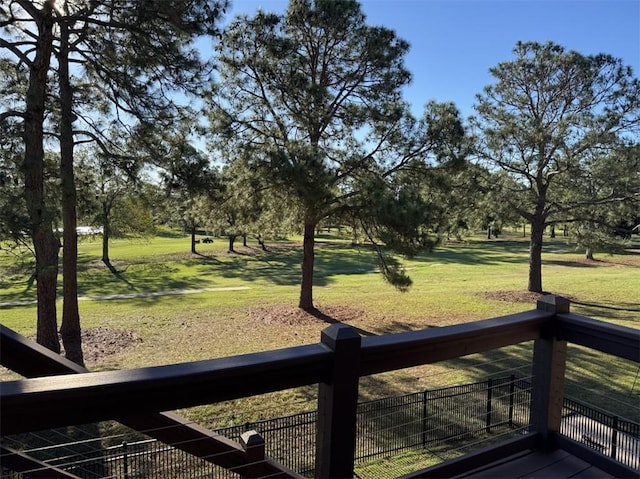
[32,360]
[335,363]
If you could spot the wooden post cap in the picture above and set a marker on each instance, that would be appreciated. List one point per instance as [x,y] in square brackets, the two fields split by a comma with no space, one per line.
[251,439]
[553,304]
[336,333]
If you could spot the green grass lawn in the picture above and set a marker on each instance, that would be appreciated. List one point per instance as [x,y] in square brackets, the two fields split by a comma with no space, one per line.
[458,282]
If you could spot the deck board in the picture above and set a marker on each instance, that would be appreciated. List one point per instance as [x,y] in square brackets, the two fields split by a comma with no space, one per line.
[592,473]
[537,465]
[509,466]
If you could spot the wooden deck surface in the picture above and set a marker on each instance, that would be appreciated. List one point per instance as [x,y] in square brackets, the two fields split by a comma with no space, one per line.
[531,464]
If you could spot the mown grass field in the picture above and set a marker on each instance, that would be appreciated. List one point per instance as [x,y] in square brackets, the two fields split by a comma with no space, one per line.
[457,282]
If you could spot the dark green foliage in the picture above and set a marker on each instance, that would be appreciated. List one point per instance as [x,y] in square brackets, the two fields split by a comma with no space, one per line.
[312,101]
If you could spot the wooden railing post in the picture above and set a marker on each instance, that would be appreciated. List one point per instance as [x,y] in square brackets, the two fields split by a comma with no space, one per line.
[337,405]
[253,445]
[549,364]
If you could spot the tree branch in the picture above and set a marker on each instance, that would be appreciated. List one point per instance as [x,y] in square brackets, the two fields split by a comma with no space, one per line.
[10,113]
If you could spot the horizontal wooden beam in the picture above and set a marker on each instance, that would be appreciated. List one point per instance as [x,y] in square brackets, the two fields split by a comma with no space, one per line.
[30,359]
[413,348]
[608,338]
[18,461]
[92,397]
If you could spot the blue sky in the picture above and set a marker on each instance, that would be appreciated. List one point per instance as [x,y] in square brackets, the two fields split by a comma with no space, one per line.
[455,42]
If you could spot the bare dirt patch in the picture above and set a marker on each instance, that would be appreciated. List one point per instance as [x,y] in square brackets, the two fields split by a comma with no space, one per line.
[292,315]
[520,296]
[97,343]
[513,296]
[366,322]
[628,258]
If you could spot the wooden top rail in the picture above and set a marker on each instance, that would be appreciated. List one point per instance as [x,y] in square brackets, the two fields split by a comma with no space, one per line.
[92,397]
[413,348]
[18,355]
[605,337]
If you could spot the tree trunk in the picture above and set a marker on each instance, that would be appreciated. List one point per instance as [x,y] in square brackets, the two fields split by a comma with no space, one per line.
[45,243]
[244,240]
[535,255]
[308,256]
[261,243]
[232,240]
[193,238]
[589,253]
[552,233]
[488,232]
[106,232]
[70,328]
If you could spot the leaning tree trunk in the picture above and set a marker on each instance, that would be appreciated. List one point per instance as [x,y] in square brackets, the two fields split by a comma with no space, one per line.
[70,328]
[45,243]
[535,255]
[308,257]
[261,243]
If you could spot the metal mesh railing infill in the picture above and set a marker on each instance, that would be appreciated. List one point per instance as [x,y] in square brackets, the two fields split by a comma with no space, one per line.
[424,420]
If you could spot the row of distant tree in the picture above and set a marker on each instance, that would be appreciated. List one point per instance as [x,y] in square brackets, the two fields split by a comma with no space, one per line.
[290,122]
[238,208]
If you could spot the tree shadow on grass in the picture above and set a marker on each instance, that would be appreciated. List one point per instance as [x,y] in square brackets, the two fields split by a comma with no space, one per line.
[400,327]
[316,313]
[138,278]
[391,328]
[478,253]
[208,257]
[625,307]
[625,313]
[283,267]
[571,263]
[117,273]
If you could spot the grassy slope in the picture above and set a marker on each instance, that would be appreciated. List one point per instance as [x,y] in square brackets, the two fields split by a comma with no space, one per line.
[448,288]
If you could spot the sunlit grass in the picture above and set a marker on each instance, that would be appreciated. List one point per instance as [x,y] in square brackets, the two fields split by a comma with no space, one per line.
[448,284]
